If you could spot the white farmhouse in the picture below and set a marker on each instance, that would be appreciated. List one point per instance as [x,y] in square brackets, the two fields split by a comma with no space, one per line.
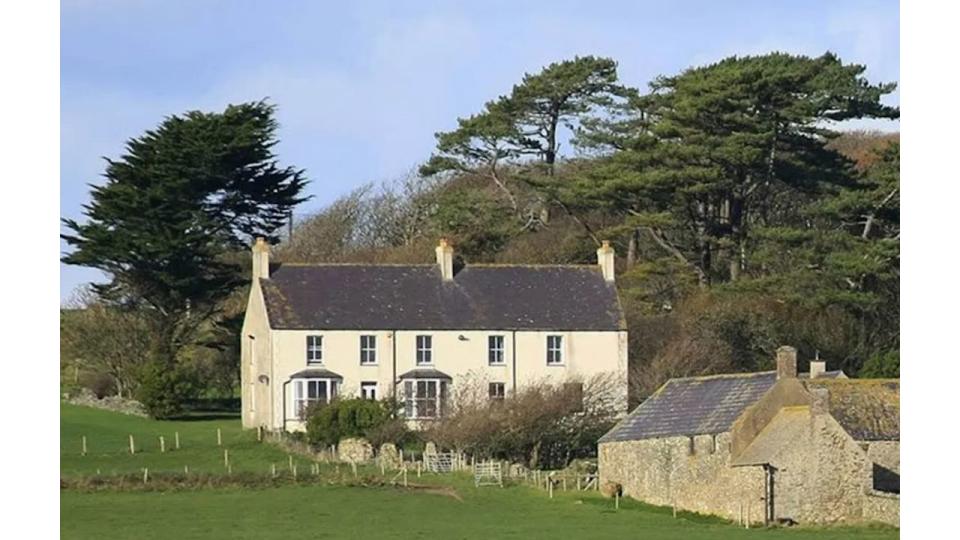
[414,332]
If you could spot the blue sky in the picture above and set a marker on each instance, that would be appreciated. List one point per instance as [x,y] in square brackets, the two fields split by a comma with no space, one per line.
[363,86]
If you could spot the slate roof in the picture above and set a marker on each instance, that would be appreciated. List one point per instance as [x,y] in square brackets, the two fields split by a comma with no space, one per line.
[693,406]
[315,373]
[424,373]
[868,409]
[414,297]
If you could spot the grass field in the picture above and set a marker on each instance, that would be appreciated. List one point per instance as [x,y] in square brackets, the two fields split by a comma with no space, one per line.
[339,511]
[108,434]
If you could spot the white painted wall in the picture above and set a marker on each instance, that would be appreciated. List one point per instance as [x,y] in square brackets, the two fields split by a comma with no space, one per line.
[463,355]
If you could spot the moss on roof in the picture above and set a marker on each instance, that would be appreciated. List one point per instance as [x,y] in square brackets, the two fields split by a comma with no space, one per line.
[869,409]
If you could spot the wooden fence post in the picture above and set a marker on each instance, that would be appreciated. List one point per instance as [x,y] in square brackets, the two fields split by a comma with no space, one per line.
[83,441]
[132,449]
[186,469]
[176,440]
[290,461]
[616,499]
[259,433]
[163,446]
[219,438]
[146,473]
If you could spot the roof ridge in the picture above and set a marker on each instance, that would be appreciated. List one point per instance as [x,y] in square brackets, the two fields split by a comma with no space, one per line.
[425,265]
[307,264]
[722,376]
[524,265]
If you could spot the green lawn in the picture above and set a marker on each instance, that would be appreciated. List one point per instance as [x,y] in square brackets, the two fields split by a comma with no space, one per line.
[108,444]
[337,511]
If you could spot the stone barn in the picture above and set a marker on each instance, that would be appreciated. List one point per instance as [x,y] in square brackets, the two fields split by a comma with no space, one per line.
[765,447]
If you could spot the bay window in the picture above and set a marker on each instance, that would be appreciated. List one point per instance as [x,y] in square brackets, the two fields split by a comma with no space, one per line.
[307,392]
[424,398]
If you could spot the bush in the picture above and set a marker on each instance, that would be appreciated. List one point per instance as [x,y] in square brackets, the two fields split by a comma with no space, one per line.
[164,390]
[340,419]
[541,426]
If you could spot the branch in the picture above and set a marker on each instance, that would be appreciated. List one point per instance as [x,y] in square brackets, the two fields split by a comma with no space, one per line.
[670,248]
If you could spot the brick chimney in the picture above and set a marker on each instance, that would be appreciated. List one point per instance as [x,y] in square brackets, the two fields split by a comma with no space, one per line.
[786,363]
[261,259]
[445,259]
[606,258]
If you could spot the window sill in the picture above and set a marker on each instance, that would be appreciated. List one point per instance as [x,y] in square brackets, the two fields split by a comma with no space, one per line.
[366,364]
[497,364]
[555,364]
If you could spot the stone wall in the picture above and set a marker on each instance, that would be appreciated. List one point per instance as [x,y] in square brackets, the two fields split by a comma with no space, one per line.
[666,472]
[822,475]
[885,454]
[882,507]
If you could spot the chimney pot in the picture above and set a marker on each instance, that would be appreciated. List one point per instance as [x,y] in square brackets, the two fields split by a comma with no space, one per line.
[786,362]
[817,369]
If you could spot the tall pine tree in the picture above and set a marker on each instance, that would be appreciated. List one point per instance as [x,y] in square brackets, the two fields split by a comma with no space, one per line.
[174,207]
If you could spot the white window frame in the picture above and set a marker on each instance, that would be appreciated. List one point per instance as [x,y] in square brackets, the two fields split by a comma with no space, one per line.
[368,350]
[496,350]
[314,349]
[424,347]
[368,390]
[300,393]
[416,406]
[555,350]
[501,394]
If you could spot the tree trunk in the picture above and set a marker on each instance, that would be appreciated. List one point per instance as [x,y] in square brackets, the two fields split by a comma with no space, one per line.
[736,236]
[632,248]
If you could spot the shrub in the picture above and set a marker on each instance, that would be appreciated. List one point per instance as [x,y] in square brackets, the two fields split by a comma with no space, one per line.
[541,425]
[340,419]
[164,390]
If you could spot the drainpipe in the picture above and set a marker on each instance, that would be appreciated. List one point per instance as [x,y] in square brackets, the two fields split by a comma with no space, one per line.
[283,424]
[393,374]
[513,351]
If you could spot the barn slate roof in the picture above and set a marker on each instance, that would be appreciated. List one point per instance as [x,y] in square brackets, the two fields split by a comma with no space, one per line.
[702,405]
[693,406]
[868,409]
[415,297]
